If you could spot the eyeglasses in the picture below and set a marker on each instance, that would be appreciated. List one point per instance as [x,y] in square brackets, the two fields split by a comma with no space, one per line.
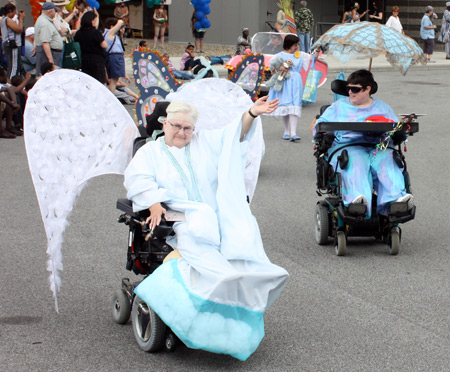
[178,127]
[355,89]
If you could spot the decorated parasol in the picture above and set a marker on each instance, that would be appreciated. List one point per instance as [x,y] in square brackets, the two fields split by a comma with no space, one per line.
[368,40]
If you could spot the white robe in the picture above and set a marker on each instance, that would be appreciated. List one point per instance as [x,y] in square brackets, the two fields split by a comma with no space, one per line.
[214,297]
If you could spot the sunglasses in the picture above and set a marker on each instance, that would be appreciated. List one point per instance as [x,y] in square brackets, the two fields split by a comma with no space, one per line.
[355,89]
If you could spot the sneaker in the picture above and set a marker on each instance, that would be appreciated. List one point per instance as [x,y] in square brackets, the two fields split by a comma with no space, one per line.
[431,61]
[408,198]
[361,199]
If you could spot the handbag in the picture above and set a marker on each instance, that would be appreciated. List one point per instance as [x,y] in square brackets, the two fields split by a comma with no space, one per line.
[312,81]
[71,54]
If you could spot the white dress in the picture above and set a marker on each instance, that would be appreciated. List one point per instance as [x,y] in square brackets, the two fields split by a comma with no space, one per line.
[214,297]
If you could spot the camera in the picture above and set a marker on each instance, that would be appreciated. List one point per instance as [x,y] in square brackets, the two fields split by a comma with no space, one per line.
[11,44]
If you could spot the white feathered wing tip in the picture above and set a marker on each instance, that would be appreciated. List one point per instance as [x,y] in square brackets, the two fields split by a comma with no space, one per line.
[75,129]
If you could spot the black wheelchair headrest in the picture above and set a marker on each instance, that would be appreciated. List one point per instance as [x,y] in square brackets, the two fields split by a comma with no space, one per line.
[340,87]
[152,120]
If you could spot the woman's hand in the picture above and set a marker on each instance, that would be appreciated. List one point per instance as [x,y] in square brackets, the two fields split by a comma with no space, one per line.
[156,211]
[263,106]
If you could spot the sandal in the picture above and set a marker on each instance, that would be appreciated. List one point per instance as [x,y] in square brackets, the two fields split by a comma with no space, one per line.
[7,135]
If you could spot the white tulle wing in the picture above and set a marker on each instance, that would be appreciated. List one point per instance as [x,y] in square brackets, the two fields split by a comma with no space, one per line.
[220,101]
[75,129]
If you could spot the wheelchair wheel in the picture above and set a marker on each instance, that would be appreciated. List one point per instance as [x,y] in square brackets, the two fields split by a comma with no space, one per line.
[322,224]
[341,243]
[148,328]
[121,307]
[394,241]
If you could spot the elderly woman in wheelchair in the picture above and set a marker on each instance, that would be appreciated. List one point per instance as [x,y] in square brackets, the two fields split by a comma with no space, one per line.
[359,165]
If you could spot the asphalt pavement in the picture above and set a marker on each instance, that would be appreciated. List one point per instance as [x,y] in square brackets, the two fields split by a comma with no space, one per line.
[366,311]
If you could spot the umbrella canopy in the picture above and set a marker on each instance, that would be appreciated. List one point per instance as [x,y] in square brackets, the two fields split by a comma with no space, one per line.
[368,40]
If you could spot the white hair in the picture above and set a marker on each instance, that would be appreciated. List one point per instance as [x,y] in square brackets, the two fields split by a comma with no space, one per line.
[182,107]
[303,3]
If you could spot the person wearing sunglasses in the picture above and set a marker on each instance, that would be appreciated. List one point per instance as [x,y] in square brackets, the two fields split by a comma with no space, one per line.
[213,294]
[367,168]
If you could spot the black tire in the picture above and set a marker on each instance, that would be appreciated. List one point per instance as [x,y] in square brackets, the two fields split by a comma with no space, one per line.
[121,307]
[148,328]
[394,241]
[322,224]
[341,243]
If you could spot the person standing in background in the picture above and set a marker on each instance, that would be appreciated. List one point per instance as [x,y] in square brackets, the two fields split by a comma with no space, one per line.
[198,33]
[376,13]
[394,20]
[444,35]
[304,20]
[427,33]
[159,23]
[48,41]
[12,38]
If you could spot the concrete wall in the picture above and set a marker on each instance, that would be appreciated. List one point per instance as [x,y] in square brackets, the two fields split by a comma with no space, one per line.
[229,16]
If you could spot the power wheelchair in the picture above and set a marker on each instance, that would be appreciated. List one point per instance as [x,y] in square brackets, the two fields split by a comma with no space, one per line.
[334,219]
[147,250]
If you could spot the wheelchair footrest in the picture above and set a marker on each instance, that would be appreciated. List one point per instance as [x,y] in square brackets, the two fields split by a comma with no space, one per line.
[357,209]
[401,216]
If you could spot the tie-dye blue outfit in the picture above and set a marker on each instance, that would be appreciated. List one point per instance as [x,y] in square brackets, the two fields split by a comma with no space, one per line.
[367,169]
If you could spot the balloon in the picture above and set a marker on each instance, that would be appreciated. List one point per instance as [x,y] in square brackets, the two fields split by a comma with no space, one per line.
[206,10]
[157,2]
[150,3]
[205,23]
[93,4]
[199,15]
[197,25]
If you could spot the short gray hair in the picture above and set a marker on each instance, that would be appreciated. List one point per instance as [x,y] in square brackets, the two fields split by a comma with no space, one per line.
[303,3]
[183,107]
[428,9]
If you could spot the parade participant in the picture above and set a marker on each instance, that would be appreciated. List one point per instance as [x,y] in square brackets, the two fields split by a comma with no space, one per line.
[11,31]
[214,296]
[48,41]
[291,93]
[275,44]
[444,35]
[367,168]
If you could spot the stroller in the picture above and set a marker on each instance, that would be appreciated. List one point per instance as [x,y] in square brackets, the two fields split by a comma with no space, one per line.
[335,220]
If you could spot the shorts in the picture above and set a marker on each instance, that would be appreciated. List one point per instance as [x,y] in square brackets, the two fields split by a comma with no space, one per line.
[428,46]
[198,35]
[115,65]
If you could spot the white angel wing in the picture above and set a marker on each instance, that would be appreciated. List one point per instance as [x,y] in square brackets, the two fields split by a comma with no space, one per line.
[75,129]
[220,101]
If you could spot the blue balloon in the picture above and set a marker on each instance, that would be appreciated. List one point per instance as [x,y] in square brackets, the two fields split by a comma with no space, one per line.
[93,4]
[205,23]
[206,10]
[157,2]
[194,2]
[197,25]
[199,15]
[150,3]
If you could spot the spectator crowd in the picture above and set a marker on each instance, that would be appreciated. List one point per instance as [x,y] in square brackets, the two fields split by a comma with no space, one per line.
[28,53]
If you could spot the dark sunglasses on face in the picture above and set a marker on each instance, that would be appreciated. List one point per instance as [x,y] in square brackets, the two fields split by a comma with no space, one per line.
[355,89]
